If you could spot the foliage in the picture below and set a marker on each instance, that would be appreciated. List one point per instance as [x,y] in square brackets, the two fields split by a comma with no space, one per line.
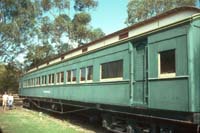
[139,10]
[82,5]
[47,24]
[16,20]
[75,30]
[9,75]
[63,48]
[96,34]
[37,54]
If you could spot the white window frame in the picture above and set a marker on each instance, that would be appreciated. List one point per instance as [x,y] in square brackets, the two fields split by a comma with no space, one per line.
[71,78]
[68,82]
[52,77]
[43,79]
[86,75]
[61,77]
[38,81]
[81,75]
[109,79]
[87,80]
[49,79]
[58,76]
[73,82]
[164,75]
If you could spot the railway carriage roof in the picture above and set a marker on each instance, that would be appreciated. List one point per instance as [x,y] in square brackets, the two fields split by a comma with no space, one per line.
[167,18]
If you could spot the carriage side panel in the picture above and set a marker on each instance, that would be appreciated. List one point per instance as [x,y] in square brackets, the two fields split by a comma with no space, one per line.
[168,71]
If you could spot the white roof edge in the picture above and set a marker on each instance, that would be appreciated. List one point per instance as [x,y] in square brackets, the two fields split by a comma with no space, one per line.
[155,24]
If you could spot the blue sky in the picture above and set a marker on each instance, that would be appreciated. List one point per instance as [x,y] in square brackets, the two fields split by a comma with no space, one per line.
[110,15]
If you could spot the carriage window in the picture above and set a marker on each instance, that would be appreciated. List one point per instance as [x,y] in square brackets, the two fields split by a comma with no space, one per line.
[52,78]
[82,73]
[68,76]
[24,84]
[45,79]
[61,77]
[49,78]
[89,72]
[74,75]
[42,79]
[71,76]
[112,69]
[58,78]
[166,63]
[32,81]
[38,80]
[28,82]
[86,73]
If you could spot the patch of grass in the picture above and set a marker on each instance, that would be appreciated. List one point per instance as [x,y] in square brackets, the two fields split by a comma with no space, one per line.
[25,121]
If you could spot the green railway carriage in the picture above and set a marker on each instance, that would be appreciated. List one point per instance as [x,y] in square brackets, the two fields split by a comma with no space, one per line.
[144,78]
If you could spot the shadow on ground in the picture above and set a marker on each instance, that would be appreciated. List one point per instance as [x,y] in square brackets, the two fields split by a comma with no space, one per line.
[79,119]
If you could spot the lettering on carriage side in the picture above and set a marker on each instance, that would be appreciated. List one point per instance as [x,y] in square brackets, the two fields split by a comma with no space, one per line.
[46,91]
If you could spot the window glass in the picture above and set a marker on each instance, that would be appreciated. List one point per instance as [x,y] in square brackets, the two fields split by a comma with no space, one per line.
[42,79]
[83,73]
[112,69]
[49,78]
[68,76]
[45,79]
[89,72]
[167,62]
[52,77]
[28,82]
[74,75]
[38,80]
[58,78]
[62,77]
[31,80]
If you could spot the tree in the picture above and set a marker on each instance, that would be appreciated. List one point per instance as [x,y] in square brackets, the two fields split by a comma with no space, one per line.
[47,22]
[63,30]
[82,5]
[96,34]
[9,75]
[37,54]
[17,18]
[63,48]
[37,28]
[139,10]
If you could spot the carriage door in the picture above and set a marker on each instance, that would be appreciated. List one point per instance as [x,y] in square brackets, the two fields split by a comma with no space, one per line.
[140,75]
